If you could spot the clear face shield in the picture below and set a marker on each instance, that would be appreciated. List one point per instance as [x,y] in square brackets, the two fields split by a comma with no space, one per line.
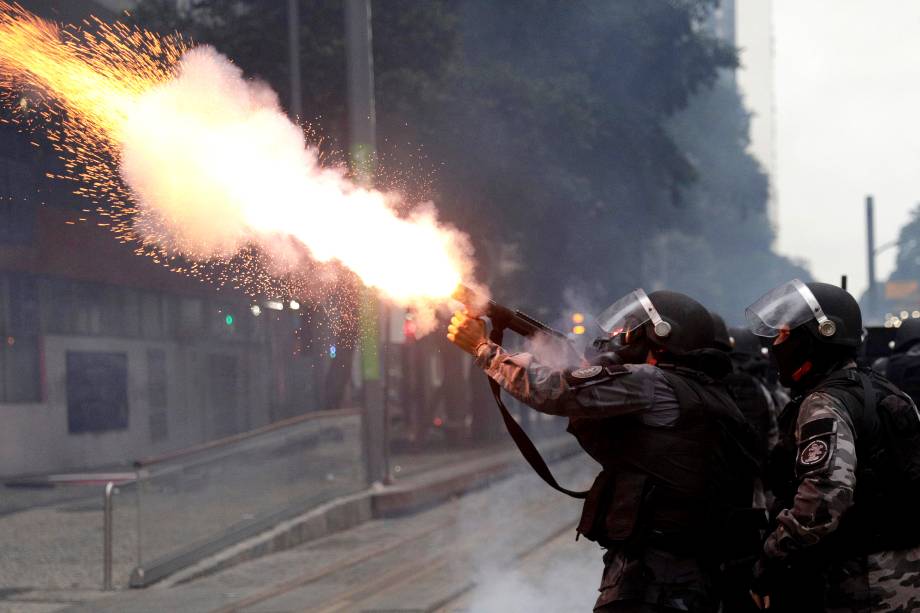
[785,308]
[629,313]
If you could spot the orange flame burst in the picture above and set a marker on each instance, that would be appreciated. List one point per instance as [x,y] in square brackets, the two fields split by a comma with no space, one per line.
[185,171]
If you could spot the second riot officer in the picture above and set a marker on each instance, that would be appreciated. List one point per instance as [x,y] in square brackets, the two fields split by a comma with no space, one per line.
[902,367]
[669,439]
[846,472]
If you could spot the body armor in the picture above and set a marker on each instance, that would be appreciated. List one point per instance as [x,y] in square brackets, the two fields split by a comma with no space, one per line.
[887,431]
[666,483]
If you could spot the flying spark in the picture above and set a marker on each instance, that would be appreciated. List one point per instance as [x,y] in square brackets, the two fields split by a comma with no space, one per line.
[203,172]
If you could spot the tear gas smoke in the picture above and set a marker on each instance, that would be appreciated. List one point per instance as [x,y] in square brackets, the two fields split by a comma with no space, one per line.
[562,575]
[202,166]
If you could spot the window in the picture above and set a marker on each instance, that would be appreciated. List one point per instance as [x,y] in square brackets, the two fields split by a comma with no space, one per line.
[58,301]
[114,310]
[191,315]
[20,356]
[152,315]
[20,369]
[87,309]
[24,313]
[223,393]
[97,391]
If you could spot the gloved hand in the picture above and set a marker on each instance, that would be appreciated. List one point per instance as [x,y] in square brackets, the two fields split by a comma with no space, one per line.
[467,332]
[769,576]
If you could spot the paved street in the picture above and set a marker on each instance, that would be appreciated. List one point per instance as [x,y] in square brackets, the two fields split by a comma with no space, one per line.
[509,546]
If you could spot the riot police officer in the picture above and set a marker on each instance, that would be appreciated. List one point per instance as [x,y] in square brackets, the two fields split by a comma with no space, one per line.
[667,436]
[751,357]
[902,367]
[757,407]
[749,392]
[844,531]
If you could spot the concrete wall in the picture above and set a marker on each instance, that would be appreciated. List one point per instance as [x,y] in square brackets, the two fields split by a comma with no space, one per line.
[35,437]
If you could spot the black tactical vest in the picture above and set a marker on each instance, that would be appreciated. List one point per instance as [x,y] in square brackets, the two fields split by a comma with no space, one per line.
[678,484]
[903,370]
[748,393]
[887,432]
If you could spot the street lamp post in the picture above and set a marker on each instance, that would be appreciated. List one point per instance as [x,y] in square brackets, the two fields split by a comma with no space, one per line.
[872,297]
[362,147]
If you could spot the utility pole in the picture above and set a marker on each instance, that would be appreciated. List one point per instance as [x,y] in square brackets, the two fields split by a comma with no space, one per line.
[294,58]
[872,294]
[362,147]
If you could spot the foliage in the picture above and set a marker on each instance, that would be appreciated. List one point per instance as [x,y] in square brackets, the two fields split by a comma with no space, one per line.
[726,208]
[551,124]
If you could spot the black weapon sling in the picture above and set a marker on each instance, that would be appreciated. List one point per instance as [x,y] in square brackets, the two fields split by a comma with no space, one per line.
[520,438]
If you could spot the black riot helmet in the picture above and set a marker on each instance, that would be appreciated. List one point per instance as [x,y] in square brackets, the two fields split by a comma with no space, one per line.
[665,320]
[816,326]
[830,314]
[746,343]
[691,324]
[841,308]
[722,339]
[907,335]
[748,352]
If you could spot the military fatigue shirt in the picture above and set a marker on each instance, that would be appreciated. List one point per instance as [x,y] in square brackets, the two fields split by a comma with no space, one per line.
[886,581]
[654,576]
[554,391]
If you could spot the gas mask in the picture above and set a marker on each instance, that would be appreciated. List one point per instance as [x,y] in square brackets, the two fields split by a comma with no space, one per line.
[622,348]
[801,359]
[791,355]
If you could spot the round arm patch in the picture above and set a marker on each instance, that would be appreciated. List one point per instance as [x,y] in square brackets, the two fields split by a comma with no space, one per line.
[817,443]
[591,375]
[588,372]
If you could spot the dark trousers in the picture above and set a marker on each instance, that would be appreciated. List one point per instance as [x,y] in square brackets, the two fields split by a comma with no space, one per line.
[633,607]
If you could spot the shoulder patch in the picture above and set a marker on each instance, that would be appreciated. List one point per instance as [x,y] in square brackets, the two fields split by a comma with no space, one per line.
[814,452]
[588,372]
[817,444]
[817,427]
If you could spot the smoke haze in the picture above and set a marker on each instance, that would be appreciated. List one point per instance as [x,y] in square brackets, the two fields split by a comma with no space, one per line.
[215,165]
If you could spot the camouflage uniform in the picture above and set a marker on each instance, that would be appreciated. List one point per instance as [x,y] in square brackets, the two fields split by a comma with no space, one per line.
[654,577]
[554,392]
[826,471]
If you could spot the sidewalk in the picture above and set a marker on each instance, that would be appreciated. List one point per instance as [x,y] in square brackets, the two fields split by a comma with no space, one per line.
[53,553]
[419,562]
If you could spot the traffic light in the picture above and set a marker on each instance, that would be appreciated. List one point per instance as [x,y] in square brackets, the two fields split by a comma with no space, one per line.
[578,319]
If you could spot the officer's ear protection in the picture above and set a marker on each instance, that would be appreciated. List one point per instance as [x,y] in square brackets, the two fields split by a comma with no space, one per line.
[661,328]
[826,327]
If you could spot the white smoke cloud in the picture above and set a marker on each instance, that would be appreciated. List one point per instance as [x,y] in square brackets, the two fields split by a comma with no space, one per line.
[215,165]
[555,577]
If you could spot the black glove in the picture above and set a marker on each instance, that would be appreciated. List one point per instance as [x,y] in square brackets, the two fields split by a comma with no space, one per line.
[771,577]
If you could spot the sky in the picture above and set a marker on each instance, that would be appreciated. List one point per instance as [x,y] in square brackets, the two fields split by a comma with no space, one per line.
[846,77]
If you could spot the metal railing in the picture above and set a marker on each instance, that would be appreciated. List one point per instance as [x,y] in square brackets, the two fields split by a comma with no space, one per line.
[177,508]
[195,502]
[76,503]
[107,535]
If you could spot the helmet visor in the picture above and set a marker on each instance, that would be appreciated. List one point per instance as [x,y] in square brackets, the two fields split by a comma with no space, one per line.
[782,309]
[626,314]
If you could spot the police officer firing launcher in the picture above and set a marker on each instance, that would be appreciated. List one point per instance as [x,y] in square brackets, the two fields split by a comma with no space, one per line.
[846,471]
[669,438]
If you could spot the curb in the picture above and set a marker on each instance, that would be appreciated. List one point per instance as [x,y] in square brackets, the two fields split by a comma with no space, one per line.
[432,487]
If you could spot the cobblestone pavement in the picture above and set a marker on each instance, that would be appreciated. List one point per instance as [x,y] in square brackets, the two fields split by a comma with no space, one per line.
[59,546]
[506,547]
